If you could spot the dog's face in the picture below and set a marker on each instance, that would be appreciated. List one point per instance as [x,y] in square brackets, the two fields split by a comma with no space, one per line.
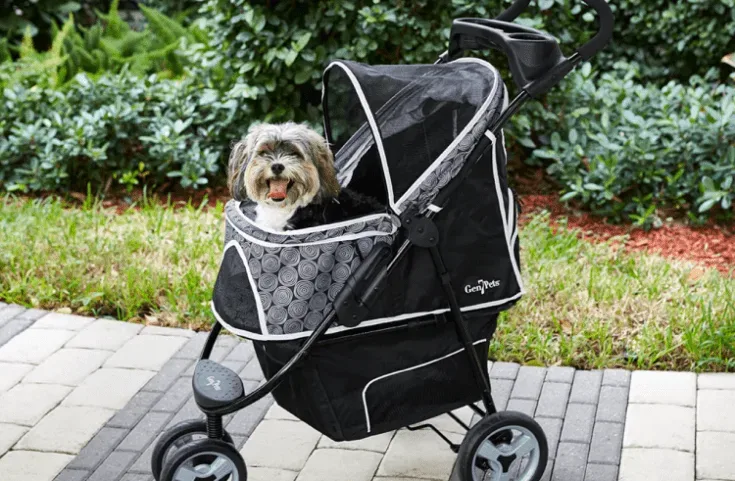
[282,165]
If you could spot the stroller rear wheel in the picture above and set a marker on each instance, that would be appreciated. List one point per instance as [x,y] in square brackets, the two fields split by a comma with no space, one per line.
[205,460]
[503,447]
[175,438]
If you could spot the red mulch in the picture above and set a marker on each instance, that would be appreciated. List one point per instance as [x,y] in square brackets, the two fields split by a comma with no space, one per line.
[712,246]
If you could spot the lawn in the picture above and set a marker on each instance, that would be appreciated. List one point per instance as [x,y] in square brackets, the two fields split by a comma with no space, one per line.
[588,305]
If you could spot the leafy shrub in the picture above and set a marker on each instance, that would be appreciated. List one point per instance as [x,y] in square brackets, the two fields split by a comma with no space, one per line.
[119,129]
[631,151]
[36,16]
[108,45]
[673,38]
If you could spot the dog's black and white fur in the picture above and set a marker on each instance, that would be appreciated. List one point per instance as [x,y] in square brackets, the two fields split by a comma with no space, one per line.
[288,171]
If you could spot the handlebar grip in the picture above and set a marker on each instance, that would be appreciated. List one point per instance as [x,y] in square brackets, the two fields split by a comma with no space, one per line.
[604,34]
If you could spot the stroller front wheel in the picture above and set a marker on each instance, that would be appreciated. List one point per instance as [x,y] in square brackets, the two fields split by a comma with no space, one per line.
[175,438]
[205,460]
[503,447]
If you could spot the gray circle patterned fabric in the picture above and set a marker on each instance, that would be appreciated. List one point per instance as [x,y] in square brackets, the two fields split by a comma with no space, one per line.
[297,275]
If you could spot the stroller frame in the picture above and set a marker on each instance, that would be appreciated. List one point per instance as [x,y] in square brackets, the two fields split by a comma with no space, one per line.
[535,72]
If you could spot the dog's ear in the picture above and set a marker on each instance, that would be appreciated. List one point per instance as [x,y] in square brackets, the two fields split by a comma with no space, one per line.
[240,155]
[324,161]
[238,162]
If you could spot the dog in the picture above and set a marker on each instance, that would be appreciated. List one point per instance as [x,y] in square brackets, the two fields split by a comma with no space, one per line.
[288,171]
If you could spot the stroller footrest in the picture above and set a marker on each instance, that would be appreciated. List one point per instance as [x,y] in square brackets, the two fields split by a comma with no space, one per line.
[215,385]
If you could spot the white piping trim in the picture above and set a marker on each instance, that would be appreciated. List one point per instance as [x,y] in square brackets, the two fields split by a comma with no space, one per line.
[311,230]
[258,304]
[511,211]
[373,126]
[503,212]
[477,117]
[418,366]
[434,208]
[359,235]
[375,322]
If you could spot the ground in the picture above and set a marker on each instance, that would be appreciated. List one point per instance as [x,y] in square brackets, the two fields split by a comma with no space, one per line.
[84,399]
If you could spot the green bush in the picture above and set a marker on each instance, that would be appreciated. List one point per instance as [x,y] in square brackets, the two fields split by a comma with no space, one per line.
[119,129]
[673,38]
[107,46]
[632,151]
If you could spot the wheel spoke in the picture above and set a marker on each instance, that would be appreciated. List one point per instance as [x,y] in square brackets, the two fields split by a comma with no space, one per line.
[185,473]
[522,446]
[221,469]
[488,451]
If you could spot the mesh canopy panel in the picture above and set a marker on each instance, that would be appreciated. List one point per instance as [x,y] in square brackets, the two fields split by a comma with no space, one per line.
[405,120]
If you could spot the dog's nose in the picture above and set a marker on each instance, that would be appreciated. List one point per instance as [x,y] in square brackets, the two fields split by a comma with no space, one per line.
[277,168]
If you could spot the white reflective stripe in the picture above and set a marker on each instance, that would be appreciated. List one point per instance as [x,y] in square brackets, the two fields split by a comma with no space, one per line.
[348,237]
[375,322]
[413,368]
[434,208]
[373,126]
[468,128]
[311,230]
[511,211]
[503,212]
[258,304]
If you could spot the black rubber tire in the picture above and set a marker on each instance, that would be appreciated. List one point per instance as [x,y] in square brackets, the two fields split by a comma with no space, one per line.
[174,434]
[200,446]
[490,424]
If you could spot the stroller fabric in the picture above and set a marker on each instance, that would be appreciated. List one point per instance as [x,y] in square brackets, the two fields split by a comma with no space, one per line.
[400,133]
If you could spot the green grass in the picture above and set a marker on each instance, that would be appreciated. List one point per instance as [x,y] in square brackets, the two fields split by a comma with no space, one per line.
[588,305]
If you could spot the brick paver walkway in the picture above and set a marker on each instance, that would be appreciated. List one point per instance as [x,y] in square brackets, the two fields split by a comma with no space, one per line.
[84,400]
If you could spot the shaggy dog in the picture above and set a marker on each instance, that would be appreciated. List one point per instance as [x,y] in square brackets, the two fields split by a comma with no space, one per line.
[288,170]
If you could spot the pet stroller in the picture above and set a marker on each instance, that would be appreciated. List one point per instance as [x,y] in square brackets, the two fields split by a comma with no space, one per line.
[382,322]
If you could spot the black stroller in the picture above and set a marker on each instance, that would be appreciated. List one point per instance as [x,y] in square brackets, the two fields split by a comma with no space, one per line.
[383,322]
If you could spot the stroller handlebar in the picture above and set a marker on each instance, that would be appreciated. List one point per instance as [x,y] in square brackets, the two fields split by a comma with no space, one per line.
[604,34]
[512,12]
[535,57]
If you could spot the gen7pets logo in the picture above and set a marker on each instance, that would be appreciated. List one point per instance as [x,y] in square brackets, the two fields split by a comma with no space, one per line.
[481,286]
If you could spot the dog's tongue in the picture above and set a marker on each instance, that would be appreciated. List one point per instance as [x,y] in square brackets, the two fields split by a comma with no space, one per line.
[278,189]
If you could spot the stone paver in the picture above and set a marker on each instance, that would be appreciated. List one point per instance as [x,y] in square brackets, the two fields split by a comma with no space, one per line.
[105,334]
[112,387]
[377,444]
[716,455]
[27,404]
[68,367]
[66,429]
[270,474]
[295,438]
[29,465]
[418,454]
[586,387]
[676,388]
[716,410]
[55,320]
[656,465]
[716,381]
[33,346]
[109,388]
[9,435]
[660,426]
[12,373]
[146,352]
[335,464]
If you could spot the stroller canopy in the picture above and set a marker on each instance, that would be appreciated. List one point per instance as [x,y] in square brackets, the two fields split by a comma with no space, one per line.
[414,124]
